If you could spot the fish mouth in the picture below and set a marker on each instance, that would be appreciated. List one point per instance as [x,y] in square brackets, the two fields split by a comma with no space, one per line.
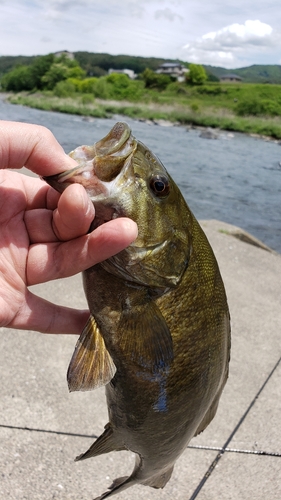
[99,169]
[98,165]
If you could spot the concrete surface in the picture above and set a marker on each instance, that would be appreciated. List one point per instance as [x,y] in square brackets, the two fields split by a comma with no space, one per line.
[43,428]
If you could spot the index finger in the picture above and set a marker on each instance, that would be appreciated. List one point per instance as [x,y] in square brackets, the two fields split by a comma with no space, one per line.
[32,146]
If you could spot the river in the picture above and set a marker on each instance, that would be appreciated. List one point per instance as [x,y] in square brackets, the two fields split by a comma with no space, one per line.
[235,178]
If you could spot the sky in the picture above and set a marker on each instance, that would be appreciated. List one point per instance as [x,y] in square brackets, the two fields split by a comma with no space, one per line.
[227,33]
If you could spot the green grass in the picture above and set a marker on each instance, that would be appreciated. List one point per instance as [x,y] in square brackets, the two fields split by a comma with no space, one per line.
[247,108]
[63,105]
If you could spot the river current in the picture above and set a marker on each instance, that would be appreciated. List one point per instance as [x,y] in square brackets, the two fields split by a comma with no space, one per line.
[235,178]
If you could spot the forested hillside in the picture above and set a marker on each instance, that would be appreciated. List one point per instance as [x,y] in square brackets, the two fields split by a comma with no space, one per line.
[95,64]
[258,73]
[7,63]
[98,64]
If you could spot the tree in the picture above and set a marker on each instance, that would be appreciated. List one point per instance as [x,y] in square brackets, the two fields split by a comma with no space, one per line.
[197,74]
[44,72]
[39,67]
[18,79]
[61,69]
[154,80]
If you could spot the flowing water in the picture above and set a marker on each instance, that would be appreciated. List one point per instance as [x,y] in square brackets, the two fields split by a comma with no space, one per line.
[236,178]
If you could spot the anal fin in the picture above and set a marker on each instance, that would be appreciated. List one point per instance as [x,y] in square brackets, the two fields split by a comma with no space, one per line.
[91,365]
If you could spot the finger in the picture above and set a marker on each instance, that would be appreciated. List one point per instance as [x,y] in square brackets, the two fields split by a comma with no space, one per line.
[37,193]
[33,146]
[74,214]
[51,261]
[39,226]
[40,315]
[72,218]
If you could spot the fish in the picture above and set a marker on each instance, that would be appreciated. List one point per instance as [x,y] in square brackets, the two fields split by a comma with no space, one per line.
[158,335]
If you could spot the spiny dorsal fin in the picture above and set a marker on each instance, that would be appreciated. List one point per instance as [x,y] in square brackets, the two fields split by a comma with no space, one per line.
[145,337]
[91,365]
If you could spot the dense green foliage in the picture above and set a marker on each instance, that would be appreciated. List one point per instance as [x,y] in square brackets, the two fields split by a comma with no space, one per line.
[25,77]
[258,107]
[7,63]
[114,86]
[197,74]
[154,80]
[43,73]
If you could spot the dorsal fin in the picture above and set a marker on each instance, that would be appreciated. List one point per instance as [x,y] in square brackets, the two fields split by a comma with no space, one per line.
[91,364]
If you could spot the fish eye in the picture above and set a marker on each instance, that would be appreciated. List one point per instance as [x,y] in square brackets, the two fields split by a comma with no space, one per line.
[160,185]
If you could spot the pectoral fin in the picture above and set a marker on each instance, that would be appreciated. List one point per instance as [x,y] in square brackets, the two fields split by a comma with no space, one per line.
[91,365]
[145,337]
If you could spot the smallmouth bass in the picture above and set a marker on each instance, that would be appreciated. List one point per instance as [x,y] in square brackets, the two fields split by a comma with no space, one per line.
[158,336]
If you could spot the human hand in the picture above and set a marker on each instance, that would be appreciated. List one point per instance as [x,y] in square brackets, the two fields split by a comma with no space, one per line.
[43,235]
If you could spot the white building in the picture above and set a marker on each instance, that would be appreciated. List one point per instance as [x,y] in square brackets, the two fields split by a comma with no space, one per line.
[129,72]
[65,53]
[231,77]
[176,70]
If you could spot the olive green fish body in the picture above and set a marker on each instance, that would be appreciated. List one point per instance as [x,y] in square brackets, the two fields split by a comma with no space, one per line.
[159,334]
[155,412]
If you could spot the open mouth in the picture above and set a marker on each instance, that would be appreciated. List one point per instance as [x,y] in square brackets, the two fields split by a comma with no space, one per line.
[100,164]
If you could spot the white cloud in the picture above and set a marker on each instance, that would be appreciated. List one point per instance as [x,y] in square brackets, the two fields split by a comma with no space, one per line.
[167,14]
[238,35]
[225,47]
[248,32]
[157,28]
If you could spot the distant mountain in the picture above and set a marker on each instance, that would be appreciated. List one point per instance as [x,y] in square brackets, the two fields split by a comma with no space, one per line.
[95,64]
[92,63]
[258,73]
[98,64]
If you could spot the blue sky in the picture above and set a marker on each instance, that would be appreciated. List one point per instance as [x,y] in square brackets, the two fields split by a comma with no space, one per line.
[228,33]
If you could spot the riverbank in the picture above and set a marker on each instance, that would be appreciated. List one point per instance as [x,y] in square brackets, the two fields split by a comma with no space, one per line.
[177,111]
[236,177]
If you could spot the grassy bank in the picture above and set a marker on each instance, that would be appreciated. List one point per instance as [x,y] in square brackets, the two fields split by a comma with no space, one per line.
[242,108]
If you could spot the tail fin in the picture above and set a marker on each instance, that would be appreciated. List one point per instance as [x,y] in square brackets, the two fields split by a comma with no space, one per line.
[118,485]
[122,483]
